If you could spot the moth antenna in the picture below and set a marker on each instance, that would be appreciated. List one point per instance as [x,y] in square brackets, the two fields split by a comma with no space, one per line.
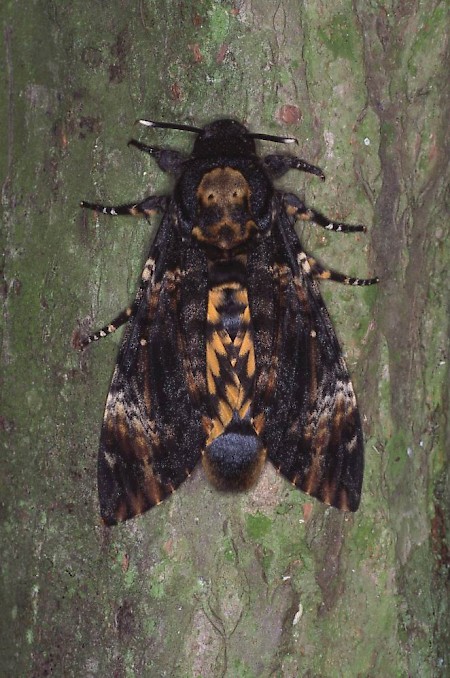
[270,137]
[169,125]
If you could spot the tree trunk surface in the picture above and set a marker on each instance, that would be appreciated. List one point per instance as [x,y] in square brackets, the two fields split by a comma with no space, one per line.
[267,582]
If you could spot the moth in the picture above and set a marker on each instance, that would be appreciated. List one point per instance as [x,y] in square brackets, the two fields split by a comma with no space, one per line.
[229,354]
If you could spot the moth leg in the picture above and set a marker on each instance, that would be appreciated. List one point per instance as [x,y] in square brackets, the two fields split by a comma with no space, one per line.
[125,315]
[278,165]
[298,210]
[168,160]
[149,206]
[312,267]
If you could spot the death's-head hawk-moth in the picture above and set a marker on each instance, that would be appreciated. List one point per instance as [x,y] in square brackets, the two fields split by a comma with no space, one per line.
[229,355]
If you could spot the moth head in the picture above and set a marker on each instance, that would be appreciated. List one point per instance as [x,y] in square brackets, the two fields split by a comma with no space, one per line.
[228,137]
[224,138]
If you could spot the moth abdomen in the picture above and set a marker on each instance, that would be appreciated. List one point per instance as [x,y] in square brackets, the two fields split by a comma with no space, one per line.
[234,460]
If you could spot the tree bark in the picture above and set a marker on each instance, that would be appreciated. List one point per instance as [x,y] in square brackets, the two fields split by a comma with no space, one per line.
[269,582]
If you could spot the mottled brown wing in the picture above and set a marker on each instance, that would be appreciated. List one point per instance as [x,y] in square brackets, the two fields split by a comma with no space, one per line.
[312,427]
[152,434]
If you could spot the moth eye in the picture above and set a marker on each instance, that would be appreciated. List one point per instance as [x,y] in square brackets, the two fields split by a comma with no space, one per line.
[211,196]
[235,194]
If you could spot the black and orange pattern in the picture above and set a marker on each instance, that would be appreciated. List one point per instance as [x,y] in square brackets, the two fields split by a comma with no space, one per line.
[229,354]
[234,452]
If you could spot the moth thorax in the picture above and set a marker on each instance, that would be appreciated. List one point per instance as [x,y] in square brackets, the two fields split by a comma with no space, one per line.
[224,219]
[234,460]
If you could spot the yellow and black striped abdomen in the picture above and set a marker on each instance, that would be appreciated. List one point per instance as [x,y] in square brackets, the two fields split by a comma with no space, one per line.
[234,454]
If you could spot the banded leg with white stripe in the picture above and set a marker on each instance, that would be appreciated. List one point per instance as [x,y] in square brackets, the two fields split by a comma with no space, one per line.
[149,206]
[298,210]
[125,315]
[312,267]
